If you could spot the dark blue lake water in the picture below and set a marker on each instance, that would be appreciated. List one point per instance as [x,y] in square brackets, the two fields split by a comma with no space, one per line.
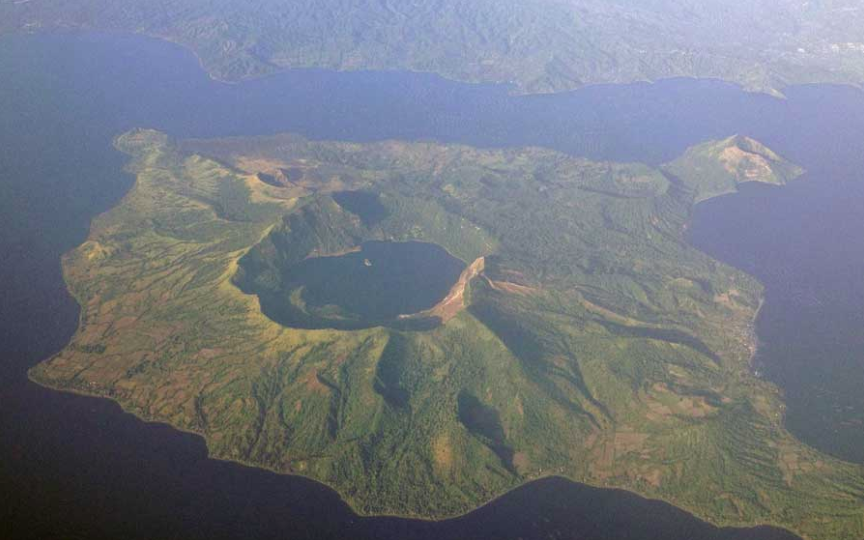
[76,467]
[365,288]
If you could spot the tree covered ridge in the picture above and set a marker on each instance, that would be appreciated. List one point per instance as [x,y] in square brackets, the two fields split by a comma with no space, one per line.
[538,45]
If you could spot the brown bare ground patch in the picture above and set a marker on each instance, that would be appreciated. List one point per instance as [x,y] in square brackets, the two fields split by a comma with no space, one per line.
[734,501]
[254,165]
[209,353]
[629,441]
[124,322]
[723,299]
[521,462]
[454,302]
[94,333]
[603,457]
[754,166]
[93,250]
[728,299]
[790,466]
[442,452]
[510,287]
[679,470]
[513,275]
[107,307]
[160,334]
[609,314]
[696,407]
[690,406]
[658,411]
[313,382]
[653,477]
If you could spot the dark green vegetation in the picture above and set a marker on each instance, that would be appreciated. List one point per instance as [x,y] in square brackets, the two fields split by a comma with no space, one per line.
[584,339]
[540,45]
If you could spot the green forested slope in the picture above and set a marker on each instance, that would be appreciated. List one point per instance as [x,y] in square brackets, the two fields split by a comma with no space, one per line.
[593,342]
[540,45]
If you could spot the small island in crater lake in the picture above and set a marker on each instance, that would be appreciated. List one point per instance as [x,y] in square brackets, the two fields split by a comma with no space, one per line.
[425,327]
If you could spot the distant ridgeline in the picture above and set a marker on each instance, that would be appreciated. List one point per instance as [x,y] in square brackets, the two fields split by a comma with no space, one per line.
[539,45]
[574,331]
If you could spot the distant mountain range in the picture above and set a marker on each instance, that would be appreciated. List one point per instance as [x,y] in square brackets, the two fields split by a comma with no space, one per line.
[538,45]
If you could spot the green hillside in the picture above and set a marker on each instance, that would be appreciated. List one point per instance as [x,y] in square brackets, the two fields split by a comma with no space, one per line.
[540,45]
[718,167]
[584,339]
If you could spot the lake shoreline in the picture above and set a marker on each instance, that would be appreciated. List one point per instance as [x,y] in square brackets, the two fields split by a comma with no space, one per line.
[233,461]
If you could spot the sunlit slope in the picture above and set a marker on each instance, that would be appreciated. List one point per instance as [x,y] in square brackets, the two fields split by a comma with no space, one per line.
[719,167]
[540,45]
[592,342]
